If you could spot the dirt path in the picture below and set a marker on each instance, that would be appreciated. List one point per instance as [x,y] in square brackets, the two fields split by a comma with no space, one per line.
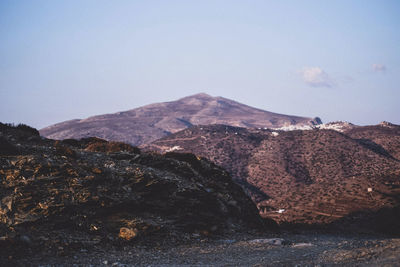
[285,250]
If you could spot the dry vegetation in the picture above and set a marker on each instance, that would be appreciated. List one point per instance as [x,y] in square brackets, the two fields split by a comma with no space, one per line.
[313,177]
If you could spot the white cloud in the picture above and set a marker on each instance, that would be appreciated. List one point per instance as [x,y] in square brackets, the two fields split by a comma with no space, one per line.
[316,77]
[379,67]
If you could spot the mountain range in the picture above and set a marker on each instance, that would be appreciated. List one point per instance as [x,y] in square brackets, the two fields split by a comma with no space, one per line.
[296,169]
[148,123]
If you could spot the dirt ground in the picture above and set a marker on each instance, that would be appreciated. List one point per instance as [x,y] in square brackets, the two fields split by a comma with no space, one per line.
[240,250]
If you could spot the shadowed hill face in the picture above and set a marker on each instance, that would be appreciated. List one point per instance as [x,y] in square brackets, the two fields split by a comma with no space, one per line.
[314,176]
[385,135]
[151,122]
[80,190]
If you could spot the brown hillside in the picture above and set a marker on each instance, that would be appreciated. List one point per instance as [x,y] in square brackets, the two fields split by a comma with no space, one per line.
[385,135]
[315,176]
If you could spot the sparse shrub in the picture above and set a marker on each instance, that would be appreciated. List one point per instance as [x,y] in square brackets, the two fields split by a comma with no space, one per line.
[22,127]
[5,126]
[111,147]
[64,150]
[187,157]
[71,142]
[90,140]
[28,129]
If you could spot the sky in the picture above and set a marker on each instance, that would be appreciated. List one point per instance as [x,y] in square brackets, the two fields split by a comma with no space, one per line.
[62,60]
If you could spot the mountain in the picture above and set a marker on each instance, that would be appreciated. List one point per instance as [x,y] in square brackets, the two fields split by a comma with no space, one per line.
[81,194]
[148,123]
[316,176]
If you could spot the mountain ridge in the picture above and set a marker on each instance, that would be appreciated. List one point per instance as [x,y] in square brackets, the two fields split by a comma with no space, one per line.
[151,122]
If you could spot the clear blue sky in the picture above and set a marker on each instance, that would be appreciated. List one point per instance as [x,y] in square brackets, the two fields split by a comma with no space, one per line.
[61,60]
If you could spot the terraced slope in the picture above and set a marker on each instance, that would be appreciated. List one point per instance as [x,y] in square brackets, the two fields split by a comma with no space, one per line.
[313,176]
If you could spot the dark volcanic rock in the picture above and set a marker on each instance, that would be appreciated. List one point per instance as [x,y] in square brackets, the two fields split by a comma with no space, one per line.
[61,194]
[307,177]
[145,124]
[6,148]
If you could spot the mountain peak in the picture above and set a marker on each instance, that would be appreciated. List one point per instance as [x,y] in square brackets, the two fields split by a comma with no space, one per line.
[202,96]
[148,123]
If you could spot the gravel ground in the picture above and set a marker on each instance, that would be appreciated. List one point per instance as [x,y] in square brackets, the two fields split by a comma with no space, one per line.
[241,250]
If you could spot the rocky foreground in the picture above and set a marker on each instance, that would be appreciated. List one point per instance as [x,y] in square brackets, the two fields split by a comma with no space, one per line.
[237,250]
[59,198]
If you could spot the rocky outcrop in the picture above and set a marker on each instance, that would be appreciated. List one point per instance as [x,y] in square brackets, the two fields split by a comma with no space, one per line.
[145,124]
[306,177]
[62,195]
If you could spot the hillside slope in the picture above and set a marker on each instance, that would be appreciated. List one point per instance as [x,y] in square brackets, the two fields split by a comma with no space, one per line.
[312,176]
[77,194]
